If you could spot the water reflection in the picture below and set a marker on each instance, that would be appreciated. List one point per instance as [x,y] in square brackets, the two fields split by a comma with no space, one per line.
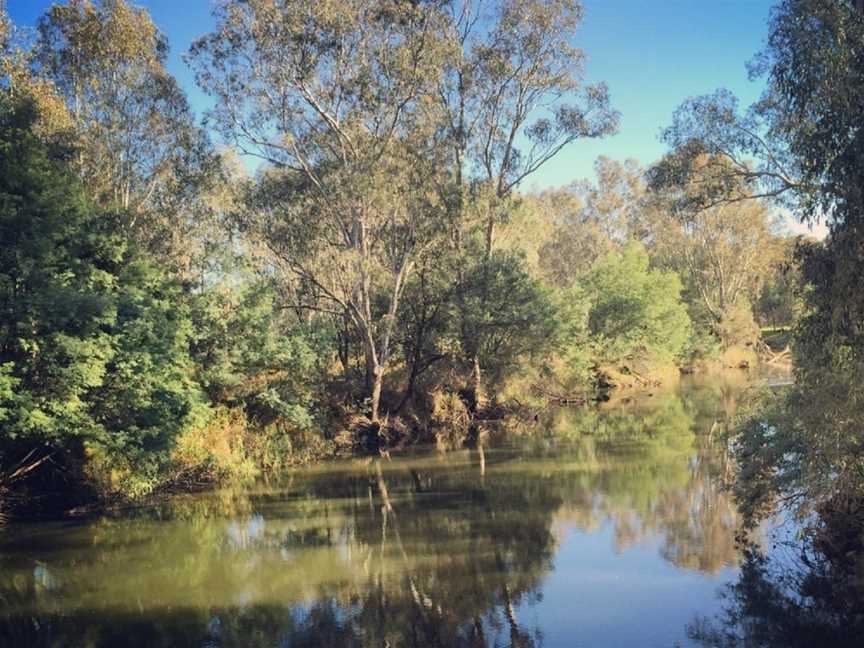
[785,600]
[800,464]
[471,548]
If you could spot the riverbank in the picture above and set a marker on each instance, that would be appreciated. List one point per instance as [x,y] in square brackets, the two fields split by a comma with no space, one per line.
[595,505]
[234,452]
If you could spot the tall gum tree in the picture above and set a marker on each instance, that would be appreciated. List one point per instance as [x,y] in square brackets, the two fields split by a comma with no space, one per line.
[328,96]
[512,98]
[52,119]
[801,143]
[140,154]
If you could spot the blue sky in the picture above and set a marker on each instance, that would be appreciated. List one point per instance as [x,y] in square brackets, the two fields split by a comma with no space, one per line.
[652,53]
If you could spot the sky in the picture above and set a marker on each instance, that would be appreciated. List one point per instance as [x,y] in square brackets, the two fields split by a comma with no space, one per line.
[653,54]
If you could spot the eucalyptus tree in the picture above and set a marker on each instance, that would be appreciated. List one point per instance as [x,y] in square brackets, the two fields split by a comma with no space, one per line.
[799,142]
[806,144]
[618,200]
[591,219]
[328,96]
[510,100]
[140,153]
[725,252]
[721,150]
[799,146]
[52,120]
[514,96]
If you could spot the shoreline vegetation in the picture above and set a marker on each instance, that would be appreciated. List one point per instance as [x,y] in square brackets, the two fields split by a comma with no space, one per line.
[341,255]
[172,318]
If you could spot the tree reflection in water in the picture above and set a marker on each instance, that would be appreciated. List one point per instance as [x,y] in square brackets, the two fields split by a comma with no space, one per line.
[783,604]
[429,550]
[800,459]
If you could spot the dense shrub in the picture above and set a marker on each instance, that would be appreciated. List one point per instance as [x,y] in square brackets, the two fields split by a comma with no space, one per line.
[93,349]
[635,311]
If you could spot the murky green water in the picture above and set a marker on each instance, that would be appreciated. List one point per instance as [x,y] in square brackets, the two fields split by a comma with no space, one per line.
[611,528]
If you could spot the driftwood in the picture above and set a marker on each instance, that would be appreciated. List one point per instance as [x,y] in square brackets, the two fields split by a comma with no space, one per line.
[781,357]
[561,399]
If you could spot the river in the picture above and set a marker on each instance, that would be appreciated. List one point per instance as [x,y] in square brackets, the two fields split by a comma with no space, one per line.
[607,526]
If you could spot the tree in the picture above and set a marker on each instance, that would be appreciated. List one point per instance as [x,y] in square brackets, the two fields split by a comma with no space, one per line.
[575,242]
[249,352]
[593,219]
[55,279]
[807,146]
[92,342]
[506,315]
[16,76]
[429,331]
[329,96]
[140,154]
[635,312]
[618,201]
[725,252]
[511,99]
[725,156]
[779,302]
[502,96]
[395,125]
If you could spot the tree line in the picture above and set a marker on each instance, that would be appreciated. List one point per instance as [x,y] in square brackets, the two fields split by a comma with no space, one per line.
[174,311]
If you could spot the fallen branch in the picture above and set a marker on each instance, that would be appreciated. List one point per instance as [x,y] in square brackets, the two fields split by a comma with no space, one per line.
[22,467]
[563,399]
[783,356]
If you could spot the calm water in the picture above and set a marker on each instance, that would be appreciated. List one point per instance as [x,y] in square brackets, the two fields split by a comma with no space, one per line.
[611,527]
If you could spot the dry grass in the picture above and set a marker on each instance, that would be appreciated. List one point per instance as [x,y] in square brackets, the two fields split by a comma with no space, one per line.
[450,419]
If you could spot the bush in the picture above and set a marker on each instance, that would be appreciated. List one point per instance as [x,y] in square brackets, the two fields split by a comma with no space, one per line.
[737,326]
[450,420]
[635,312]
[93,347]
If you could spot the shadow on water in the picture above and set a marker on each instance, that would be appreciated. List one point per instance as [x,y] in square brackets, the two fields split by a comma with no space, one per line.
[429,549]
[800,462]
[787,599]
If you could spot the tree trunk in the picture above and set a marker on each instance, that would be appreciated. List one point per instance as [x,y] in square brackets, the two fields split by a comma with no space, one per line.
[490,231]
[377,383]
[412,380]
[477,384]
[369,377]
[476,375]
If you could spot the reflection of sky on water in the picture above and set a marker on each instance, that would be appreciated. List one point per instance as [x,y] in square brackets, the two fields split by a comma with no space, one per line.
[242,533]
[634,595]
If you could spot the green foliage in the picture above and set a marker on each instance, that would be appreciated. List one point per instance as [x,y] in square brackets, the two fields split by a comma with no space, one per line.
[56,267]
[635,311]
[737,326]
[779,302]
[385,245]
[148,395]
[704,343]
[574,346]
[808,449]
[138,145]
[264,372]
[92,342]
[247,354]
[505,314]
